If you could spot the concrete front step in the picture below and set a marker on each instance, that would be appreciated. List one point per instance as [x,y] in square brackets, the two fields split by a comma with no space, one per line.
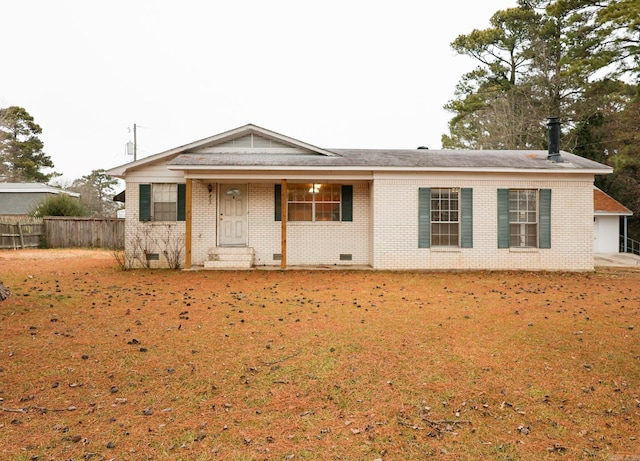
[229,258]
[228,265]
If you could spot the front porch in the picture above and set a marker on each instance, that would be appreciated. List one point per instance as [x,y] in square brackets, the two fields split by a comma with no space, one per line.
[240,225]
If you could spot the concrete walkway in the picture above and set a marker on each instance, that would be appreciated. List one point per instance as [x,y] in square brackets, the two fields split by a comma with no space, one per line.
[628,260]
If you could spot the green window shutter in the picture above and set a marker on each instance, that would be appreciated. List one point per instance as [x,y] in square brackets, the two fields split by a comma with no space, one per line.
[144,200]
[182,195]
[277,198]
[424,217]
[503,218]
[466,218]
[347,203]
[545,218]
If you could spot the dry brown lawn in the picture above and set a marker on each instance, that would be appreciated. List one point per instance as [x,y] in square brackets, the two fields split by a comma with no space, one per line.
[102,364]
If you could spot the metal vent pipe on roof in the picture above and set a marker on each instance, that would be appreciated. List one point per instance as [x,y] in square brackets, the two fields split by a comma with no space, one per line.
[553,129]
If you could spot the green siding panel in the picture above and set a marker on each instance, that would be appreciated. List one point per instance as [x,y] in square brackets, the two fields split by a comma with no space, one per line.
[347,203]
[182,200]
[424,217]
[545,218]
[277,200]
[466,215]
[144,202]
[503,218]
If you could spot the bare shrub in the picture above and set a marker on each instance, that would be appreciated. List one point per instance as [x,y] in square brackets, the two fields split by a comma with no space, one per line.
[144,244]
[173,248]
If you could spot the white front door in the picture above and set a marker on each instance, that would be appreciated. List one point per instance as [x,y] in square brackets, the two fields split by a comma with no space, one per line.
[232,216]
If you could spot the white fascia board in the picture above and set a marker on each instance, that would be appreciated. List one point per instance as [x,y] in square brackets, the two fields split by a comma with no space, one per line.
[44,190]
[613,213]
[122,170]
[386,169]
[277,176]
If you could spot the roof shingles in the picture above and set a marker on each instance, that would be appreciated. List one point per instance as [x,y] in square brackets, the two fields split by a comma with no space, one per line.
[393,158]
[603,203]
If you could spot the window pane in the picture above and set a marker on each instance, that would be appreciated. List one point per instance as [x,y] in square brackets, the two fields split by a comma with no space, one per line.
[327,192]
[300,192]
[524,235]
[165,192]
[164,211]
[453,234]
[436,239]
[327,212]
[314,202]
[445,234]
[299,212]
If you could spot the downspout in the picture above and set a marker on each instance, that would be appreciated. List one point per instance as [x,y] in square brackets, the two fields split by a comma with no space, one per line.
[624,245]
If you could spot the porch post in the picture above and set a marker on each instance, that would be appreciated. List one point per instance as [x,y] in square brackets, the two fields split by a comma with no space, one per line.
[187,237]
[283,220]
[625,235]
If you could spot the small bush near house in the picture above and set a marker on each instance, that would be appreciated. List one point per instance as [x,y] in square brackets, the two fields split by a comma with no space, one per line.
[98,363]
[60,205]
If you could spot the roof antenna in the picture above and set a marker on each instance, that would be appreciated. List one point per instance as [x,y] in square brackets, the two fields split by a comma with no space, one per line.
[132,147]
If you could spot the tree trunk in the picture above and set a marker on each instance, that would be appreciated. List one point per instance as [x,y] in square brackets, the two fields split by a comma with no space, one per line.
[4,292]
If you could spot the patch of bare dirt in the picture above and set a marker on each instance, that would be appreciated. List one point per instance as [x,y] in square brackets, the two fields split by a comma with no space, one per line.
[61,253]
[97,363]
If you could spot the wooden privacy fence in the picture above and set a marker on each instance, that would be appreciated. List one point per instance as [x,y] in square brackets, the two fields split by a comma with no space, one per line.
[66,232]
[21,234]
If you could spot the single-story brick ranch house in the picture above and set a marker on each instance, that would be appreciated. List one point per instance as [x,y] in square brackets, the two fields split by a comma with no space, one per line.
[251,197]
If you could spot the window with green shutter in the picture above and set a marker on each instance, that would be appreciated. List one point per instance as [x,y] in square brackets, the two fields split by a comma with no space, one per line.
[445,217]
[315,202]
[524,218]
[162,202]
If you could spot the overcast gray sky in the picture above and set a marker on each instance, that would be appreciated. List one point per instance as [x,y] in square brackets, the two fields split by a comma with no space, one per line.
[333,73]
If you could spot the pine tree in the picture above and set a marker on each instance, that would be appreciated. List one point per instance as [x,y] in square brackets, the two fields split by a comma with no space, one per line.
[21,155]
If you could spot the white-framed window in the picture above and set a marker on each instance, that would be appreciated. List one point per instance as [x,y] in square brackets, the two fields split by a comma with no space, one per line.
[445,217]
[523,218]
[165,202]
[313,202]
[162,202]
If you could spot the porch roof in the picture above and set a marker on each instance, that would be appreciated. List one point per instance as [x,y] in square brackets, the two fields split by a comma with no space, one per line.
[604,204]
